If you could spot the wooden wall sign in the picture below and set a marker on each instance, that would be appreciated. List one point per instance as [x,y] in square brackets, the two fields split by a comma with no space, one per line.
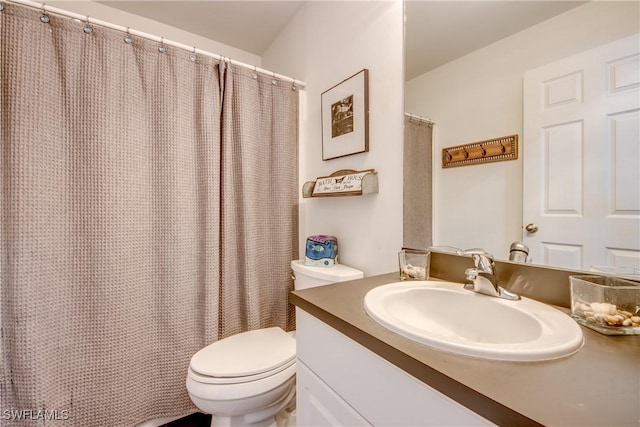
[346,182]
[489,150]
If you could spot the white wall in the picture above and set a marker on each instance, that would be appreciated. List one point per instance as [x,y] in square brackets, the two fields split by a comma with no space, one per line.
[479,97]
[324,44]
[135,22]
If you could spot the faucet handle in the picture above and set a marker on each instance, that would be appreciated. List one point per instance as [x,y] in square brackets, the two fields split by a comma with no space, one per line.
[484,262]
[476,251]
[471,273]
[482,259]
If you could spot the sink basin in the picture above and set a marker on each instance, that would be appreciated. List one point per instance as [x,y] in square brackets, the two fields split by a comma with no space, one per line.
[448,317]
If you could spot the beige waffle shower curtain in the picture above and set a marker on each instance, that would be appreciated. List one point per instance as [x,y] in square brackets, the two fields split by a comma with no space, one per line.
[147,208]
[417,196]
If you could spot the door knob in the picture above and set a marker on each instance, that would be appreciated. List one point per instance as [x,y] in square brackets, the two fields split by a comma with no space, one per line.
[531,228]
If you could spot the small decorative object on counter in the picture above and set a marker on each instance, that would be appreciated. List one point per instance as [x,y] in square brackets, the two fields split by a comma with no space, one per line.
[414,264]
[606,304]
[321,251]
[631,273]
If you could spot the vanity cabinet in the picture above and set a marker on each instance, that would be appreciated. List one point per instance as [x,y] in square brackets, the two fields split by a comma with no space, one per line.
[318,405]
[340,382]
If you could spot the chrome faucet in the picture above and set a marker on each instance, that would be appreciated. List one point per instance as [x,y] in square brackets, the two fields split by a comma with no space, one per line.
[484,277]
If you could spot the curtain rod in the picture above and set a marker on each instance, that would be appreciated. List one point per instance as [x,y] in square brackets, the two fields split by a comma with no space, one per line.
[421,119]
[43,7]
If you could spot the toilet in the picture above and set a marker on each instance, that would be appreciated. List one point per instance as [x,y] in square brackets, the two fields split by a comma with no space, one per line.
[246,379]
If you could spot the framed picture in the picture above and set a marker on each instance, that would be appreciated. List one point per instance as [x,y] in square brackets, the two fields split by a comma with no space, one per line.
[345,117]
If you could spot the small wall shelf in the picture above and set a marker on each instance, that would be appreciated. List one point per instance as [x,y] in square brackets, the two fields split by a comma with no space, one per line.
[345,182]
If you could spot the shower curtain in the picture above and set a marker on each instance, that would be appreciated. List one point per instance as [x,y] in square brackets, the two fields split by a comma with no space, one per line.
[147,208]
[418,178]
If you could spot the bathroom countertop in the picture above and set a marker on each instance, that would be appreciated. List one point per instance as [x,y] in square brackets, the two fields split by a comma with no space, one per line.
[597,386]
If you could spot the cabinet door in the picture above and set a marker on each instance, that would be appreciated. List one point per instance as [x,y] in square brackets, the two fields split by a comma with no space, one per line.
[318,405]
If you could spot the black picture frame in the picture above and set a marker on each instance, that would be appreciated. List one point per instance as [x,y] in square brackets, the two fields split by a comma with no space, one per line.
[345,117]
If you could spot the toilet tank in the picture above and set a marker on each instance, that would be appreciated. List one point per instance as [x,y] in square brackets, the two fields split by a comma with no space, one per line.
[307,276]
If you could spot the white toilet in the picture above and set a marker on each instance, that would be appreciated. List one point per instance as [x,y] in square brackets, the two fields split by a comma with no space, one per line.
[246,379]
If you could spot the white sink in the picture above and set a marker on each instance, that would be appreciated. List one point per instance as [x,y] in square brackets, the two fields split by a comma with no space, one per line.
[446,316]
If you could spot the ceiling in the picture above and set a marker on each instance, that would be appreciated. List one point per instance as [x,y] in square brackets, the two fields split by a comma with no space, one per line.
[247,25]
[437,32]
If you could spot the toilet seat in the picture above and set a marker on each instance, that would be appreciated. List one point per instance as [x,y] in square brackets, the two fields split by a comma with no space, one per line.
[245,357]
[238,380]
[203,388]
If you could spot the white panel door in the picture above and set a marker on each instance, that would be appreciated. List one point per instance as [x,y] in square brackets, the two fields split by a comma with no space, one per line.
[582,159]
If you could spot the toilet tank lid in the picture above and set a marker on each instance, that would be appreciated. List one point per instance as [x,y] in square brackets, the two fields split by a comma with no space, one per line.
[246,353]
[336,273]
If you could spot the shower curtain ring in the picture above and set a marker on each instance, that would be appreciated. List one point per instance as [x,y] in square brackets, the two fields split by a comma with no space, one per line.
[87,28]
[193,55]
[127,37]
[293,86]
[274,81]
[44,18]
[162,49]
[255,73]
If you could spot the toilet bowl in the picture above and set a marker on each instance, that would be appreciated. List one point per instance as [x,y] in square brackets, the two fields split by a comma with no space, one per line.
[246,379]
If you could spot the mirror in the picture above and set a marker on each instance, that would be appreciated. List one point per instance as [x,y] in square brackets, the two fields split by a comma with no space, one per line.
[464,66]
